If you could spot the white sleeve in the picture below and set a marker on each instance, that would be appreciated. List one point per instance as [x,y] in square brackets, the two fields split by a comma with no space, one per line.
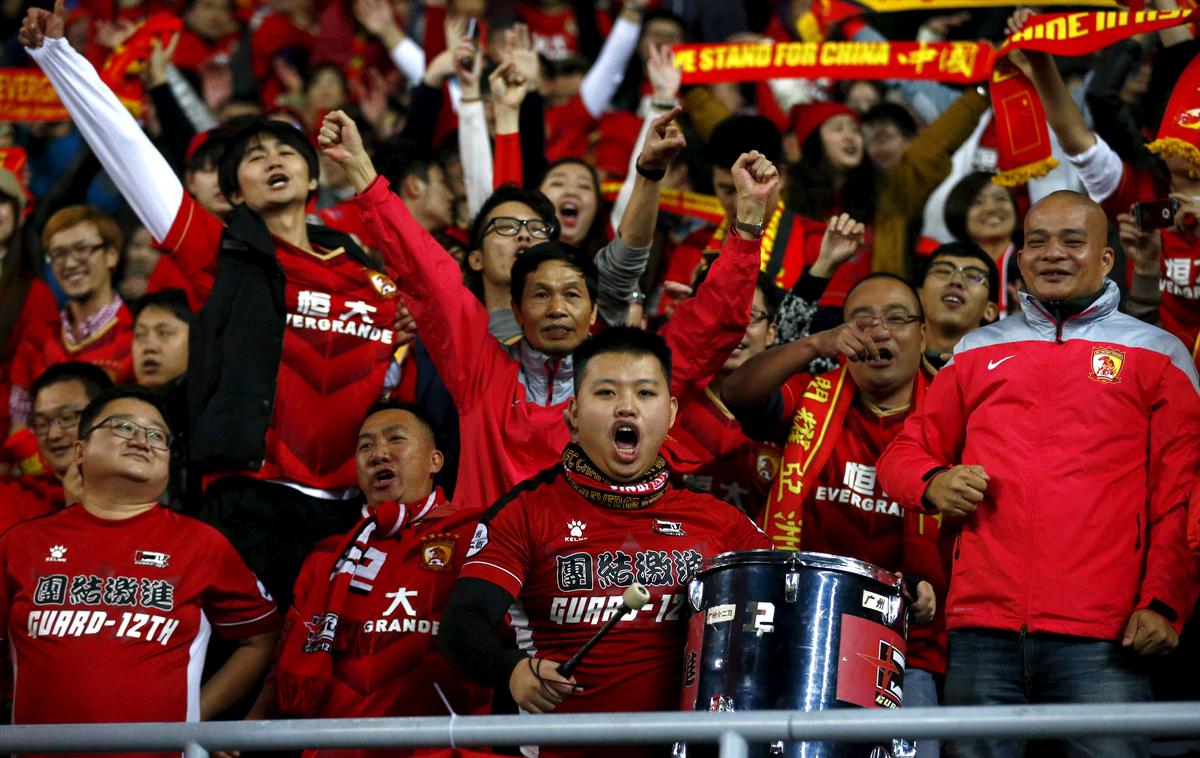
[605,75]
[137,168]
[476,154]
[1100,169]
[410,59]
[622,200]
[792,92]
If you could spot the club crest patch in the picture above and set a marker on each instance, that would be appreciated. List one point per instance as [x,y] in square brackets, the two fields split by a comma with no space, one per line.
[383,285]
[437,552]
[1106,365]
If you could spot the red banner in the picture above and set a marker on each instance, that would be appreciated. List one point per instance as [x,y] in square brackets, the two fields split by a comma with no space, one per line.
[26,95]
[960,62]
[956,62]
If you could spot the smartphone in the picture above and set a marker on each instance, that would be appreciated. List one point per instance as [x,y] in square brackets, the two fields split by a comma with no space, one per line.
[1159,214]
[473,35]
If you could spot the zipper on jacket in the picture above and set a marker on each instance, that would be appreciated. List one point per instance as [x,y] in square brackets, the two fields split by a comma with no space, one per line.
[1138,544]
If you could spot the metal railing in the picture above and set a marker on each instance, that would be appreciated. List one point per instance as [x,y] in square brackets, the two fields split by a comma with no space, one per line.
[733,732]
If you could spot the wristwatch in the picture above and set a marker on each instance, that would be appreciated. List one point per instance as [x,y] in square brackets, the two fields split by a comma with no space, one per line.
[754,229]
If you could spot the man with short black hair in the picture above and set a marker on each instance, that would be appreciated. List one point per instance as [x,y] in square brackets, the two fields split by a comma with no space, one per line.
[161,322]
[888,129]
[565,544]
[126,590]
[417,176]
[959,292]
[836,425]
[296,317]
[382,585]
[59,394]
[510,402]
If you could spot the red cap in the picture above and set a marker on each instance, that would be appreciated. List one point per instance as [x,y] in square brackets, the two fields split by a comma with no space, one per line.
[197,141]
[806,119]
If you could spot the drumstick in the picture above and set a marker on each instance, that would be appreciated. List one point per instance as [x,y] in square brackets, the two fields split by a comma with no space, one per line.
[633,598]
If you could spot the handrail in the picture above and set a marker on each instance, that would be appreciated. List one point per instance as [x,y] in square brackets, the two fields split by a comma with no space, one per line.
[727,729]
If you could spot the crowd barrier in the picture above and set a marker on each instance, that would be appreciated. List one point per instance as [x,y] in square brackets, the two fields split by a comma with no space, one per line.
[733,732]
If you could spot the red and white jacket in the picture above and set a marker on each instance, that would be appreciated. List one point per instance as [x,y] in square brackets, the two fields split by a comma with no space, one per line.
[1089,431]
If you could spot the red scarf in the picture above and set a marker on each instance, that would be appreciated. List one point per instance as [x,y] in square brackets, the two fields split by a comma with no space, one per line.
[304,673]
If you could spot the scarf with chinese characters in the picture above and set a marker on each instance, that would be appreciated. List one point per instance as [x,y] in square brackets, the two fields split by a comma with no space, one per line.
[317,630]
[588,481]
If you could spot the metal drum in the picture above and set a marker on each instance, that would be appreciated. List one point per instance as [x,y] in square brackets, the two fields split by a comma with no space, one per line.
[796,631]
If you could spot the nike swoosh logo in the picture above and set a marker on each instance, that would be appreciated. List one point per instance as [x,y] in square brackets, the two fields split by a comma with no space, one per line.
[994,364]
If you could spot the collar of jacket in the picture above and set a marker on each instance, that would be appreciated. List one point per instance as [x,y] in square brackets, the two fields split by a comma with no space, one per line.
[248,227]
[537,380]
[1054,315]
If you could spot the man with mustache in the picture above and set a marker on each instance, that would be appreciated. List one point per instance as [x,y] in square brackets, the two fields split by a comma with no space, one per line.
[1070,475]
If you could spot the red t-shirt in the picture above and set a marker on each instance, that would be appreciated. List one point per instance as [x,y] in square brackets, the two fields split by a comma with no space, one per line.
[567,561]
[847,512]
[25,497]
[1179,283]
[337,344]
[392,615]
[1179,261]
[110,347]
[555,35]
[108,620]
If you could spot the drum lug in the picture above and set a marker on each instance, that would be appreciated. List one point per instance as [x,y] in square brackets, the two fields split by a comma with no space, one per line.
[776,747]
[791,586]
[696,594]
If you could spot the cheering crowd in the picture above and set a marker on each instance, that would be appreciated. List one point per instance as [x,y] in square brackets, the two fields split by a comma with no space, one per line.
[393,341]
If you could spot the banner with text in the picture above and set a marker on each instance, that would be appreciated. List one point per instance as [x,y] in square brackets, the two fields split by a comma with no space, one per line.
[955,62]
[27,95]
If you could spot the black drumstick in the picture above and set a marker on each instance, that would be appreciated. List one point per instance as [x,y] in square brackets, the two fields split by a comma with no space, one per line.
[633,598]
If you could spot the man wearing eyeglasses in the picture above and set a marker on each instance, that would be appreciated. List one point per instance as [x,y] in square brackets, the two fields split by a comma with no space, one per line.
[1064,442]
[83,246]
[827,497]
[511,403]
[108,605]
[60,394]
[959,294]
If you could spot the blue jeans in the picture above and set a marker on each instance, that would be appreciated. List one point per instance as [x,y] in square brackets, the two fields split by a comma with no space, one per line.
[1003,668]
[920,691]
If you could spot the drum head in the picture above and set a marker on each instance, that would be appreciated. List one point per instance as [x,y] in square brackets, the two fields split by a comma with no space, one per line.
[797,560]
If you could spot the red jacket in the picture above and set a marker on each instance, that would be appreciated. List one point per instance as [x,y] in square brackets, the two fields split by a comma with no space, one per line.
[506,437]
[1090,434]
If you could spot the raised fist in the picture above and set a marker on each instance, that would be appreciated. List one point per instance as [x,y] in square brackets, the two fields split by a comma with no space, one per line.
[40,23]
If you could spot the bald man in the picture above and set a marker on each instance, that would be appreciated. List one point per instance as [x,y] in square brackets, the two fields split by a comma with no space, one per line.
[1062,443]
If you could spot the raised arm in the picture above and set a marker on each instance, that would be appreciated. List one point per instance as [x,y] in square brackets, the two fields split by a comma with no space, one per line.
[508,87]
[665,82]
[453,324]
[378,18]
[705,329]
[140,172]
[605,75]
[758,379]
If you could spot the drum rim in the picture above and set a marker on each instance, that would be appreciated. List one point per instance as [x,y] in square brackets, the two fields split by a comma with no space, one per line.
[826,561]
